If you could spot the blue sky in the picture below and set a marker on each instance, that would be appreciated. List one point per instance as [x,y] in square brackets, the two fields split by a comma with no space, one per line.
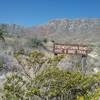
[35,12]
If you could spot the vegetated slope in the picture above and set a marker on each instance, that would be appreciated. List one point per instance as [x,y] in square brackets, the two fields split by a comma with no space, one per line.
[85,31]
[17,57]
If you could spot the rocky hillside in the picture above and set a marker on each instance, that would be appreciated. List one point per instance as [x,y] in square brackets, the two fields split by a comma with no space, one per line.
[26,56]
[61,30]
[85,31]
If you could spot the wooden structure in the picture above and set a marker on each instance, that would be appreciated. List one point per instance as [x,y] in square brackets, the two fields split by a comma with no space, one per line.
[73,49]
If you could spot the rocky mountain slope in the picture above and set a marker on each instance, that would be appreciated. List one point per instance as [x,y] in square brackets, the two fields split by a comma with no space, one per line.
[63,30]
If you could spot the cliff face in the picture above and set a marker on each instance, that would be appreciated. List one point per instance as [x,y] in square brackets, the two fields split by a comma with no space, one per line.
[79,30]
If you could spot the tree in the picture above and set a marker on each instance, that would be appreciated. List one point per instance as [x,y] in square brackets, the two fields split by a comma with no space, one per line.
[36,43]
[45,40]
[2,35]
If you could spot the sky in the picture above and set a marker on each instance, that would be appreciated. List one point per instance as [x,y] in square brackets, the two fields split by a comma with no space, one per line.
[37,12]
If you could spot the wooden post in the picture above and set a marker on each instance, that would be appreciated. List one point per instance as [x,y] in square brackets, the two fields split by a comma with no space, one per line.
[54,47]
[83,63]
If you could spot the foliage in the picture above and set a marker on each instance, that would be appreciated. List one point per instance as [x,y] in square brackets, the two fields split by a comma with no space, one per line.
[36,43]
[20,51]
[50,83]
[1,63]
[2,35]
[45,40]
[32,62]
[14,87]
[36,57]
[55,60]
[56,83]
[95,91]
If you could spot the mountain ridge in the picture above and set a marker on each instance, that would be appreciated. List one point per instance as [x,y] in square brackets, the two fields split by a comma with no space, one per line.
[85,30]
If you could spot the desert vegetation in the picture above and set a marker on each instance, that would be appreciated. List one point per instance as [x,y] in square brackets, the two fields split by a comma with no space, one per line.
[30,71]
[40,79]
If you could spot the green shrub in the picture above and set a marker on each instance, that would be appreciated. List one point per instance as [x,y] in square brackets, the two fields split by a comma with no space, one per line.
[1,63]
[36,43]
